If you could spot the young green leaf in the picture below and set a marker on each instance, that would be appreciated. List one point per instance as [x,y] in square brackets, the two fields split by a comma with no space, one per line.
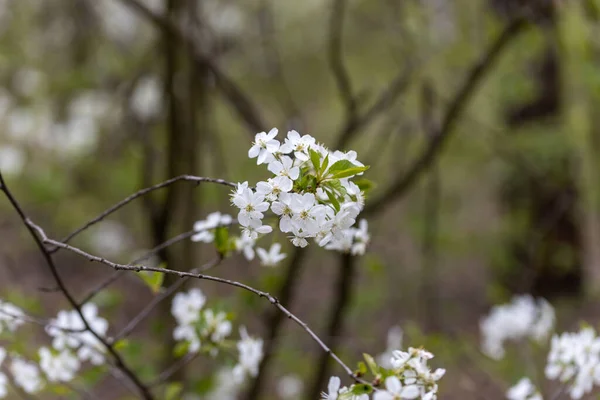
[349,172]
[173,391]
[222,239]
[333,200]
[315,157]
[361,388]
[324,165]
[153,280]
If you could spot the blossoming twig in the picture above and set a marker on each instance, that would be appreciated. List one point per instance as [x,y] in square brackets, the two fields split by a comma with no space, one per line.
[32,228]
[182,274]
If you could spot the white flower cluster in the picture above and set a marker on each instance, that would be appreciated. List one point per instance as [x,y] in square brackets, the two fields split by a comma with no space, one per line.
[336,391]
[523,317]
[69,334]
[195,325]
[10,317]
[230,380]
[205,228]
[72,344]
[575,357]
[409,377]
[310,192]
[523,390]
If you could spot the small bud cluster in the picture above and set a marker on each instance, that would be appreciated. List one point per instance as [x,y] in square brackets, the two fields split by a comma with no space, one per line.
[524,317]
[311,193]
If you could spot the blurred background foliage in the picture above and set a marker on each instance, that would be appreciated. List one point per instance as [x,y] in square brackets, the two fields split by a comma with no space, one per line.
[96,102]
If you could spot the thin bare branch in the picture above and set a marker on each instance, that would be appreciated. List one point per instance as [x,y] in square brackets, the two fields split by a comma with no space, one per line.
[140,193]
[33,229]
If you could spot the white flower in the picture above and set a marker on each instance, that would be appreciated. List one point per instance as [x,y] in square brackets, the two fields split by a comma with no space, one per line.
[3,385]
[523,390]
[187,333]
[186,306]
[10,317]
[283,208]
[575,357]
[251,353]
[306,212]
[60,367]
[273,187]
[26,375]
[69,331]
[297,144]
[217,326]
[264,146]
[395,390]
[245,244]
[520,319]
[251,205]
[205,227]
[333,388]
[284,168]
[256,228]
[272,257]
[226,386]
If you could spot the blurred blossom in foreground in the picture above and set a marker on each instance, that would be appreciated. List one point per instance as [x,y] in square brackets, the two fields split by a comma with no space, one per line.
[523,390]
[524,317]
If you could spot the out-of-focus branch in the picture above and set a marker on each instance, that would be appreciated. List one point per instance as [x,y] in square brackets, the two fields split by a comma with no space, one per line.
[34,230]
[342,296]
[239,100]
[451,116]
[140,193]
[431,211]
[335,57]
[384,101]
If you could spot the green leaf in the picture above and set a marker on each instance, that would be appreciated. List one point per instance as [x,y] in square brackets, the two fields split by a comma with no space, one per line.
[361,388]
[222,239]
[173,391]
[340,166]
[333,200]
[316,159]
[362,368]
[181,349]
[350,172]
[364,184]
[324,165]
[121,344]
[371,363]
[153,279]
